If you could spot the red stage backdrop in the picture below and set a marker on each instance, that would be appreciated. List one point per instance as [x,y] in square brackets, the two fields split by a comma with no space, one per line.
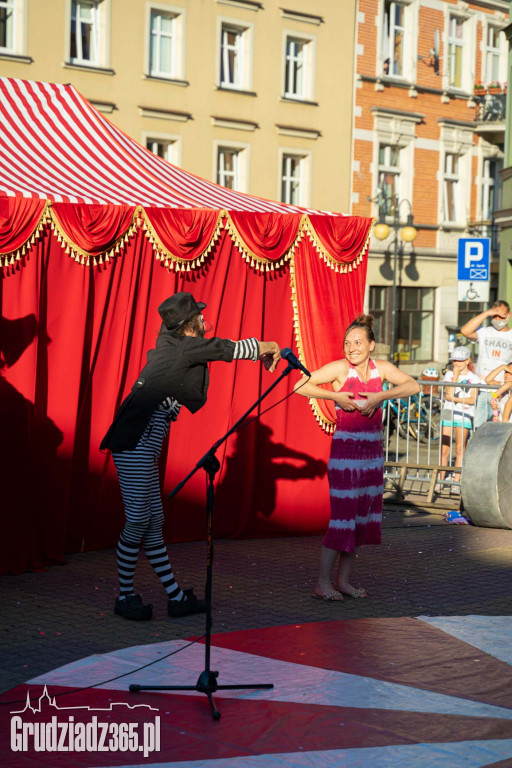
[95,232]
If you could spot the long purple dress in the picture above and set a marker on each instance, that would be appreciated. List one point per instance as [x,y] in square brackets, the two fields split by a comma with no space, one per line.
[356,471]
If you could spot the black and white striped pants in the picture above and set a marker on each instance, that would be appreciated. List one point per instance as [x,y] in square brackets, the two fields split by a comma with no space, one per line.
[140,486]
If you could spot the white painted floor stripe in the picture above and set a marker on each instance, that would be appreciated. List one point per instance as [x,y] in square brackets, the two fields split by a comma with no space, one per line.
[491,634]
[463,754]
[297,683]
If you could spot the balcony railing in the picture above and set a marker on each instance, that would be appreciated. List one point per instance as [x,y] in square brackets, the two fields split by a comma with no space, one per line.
[491,107]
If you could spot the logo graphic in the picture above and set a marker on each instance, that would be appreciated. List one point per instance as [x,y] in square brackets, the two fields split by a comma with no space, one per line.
[66,735]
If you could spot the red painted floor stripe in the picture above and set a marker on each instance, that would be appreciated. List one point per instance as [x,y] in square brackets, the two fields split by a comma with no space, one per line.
[406,651]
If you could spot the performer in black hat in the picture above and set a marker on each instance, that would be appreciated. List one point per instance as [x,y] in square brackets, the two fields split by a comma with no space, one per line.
[175,375]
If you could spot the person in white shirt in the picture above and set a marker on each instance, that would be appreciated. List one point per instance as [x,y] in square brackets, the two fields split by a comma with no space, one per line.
[495,348]
[458,412]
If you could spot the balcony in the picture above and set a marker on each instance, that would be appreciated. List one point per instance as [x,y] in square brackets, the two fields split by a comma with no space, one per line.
[490,116]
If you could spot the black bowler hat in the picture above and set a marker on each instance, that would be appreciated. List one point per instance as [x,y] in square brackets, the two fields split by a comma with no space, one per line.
[179,309]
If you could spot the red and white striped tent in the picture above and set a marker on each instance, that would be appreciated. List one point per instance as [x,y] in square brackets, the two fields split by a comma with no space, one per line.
[95,231]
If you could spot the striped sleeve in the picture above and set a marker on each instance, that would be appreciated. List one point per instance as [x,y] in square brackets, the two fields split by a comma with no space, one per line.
[247,349]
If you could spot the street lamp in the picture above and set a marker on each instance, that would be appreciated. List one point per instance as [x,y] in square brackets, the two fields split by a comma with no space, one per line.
[407,235]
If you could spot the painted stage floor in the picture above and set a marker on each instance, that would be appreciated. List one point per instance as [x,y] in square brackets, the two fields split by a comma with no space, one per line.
[364,693]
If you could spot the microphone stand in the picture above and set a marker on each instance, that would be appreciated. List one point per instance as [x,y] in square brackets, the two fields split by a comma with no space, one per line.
[207,681]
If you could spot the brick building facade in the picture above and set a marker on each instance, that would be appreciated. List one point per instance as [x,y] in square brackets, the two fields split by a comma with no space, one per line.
[428,133]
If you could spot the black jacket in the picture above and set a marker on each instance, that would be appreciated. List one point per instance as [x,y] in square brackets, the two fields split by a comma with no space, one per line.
[175,368]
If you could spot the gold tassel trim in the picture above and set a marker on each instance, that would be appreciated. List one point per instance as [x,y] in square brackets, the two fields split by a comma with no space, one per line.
[9,259]
[168,259]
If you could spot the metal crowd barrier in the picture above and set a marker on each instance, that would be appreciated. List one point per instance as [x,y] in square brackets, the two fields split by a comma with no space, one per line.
[414,471]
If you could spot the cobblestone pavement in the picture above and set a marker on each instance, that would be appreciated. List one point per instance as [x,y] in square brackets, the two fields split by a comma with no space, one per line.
[424,567]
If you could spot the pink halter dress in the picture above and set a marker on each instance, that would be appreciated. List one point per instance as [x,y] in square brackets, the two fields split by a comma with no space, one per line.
[356,471]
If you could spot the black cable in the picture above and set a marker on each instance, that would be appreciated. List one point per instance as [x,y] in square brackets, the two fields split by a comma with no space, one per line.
[125,674]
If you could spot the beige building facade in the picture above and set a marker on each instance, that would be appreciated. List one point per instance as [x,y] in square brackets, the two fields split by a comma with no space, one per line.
[249,94]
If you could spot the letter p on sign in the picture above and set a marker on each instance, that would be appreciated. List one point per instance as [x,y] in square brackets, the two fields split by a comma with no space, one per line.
[472,252]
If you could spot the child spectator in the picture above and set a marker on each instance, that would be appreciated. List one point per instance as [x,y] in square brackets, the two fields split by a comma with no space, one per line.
[458,411]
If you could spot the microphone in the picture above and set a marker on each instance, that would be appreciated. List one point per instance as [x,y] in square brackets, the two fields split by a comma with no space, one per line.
[292,360]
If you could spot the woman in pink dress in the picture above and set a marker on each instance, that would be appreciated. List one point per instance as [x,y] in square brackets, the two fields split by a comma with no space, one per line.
[356,462]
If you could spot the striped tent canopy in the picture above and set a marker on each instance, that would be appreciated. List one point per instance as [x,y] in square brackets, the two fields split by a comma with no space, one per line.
[56,146]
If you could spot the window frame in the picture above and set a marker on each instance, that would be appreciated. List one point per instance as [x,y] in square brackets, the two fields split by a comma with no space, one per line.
[245,31]
[173,141]
[394,170]
[410,41]
[178,15]
[11,5]
[242,152]
[102,10]
[384,316]
[468,50]
[501,51]
[309,66]
[305,158]
[453,179]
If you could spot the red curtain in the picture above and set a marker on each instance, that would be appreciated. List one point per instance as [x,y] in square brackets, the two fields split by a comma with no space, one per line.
[19,217]
[73,340]
[326,303]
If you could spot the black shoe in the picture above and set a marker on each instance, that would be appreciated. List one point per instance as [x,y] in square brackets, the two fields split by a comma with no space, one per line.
[133,608]
[188,605]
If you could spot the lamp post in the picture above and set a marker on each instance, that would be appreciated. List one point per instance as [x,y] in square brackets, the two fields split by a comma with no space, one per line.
[408,235]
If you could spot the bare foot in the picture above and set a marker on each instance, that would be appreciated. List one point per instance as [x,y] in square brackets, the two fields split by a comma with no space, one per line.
[348,589]
[324,590]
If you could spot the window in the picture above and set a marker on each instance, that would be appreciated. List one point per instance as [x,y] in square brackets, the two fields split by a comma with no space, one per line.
[493,51]
[234,56]
[393,38]
[389,178]
[228,167]
[451,198]
[85,29]
[295,178]
[493,55]
[162,44]
[299,67]
[165,147]
[491,187]
[414,333]
[455,51]
[232,165]
[7,15]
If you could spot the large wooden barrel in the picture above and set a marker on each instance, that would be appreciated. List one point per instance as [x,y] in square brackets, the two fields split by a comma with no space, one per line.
[486,481]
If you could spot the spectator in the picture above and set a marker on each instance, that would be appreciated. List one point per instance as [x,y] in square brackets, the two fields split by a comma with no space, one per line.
[502,394]
[458,412]
[495,346]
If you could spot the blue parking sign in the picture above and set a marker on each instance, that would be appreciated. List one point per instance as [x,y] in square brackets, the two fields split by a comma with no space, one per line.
[473,258]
